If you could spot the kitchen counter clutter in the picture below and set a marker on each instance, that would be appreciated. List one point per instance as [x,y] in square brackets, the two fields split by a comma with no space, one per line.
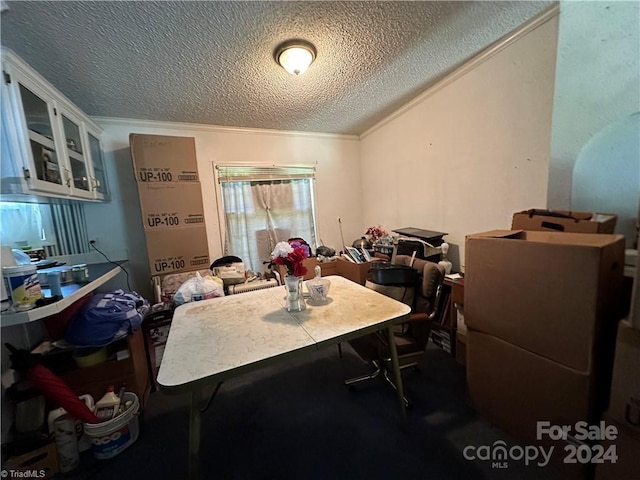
[99,274]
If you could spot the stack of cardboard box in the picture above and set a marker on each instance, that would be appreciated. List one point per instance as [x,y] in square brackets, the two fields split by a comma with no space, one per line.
[166,174]
[541,310]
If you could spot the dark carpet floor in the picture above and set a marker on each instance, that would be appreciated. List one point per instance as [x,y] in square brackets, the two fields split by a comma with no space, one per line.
[296,420]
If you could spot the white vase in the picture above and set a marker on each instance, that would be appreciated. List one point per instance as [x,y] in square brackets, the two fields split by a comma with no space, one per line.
[295,301]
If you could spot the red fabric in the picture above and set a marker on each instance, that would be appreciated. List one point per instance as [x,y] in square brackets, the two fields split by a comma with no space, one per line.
[59,393]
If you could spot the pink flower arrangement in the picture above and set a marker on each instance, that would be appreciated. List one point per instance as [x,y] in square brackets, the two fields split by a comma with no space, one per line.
[376,232]
[291,255]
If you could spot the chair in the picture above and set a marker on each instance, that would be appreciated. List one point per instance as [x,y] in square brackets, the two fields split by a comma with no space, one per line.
[423,294]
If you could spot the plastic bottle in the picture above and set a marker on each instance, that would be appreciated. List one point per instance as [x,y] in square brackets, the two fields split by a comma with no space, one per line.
[107,406]
[84,442]
[65,434]
[199,290]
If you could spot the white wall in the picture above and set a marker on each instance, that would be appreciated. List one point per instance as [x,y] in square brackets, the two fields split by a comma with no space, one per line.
[471,151]
[337,172]
[606,176]
[597,85]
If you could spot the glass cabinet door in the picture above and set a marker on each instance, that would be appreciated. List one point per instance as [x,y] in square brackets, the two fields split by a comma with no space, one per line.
[38,117]
[50,148]
[97,163]
[72,138]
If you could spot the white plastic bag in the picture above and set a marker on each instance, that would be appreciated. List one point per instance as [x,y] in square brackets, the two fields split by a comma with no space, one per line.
[198,288]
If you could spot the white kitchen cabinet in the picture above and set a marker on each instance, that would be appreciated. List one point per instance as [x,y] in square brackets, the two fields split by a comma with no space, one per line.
[99,180]
[50,147]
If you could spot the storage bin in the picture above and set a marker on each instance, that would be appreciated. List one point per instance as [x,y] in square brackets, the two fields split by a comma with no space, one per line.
[112,437]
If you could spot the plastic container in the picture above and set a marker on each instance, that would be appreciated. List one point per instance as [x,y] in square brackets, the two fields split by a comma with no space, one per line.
[84,442]
[318,287]
[107,406]
[64,428]
[80,273]
[90,356]
[20,257]
[201,292]
[54,280]
[110,438]
[23,286]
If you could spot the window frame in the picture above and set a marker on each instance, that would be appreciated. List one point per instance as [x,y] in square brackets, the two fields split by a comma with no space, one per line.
[305,170]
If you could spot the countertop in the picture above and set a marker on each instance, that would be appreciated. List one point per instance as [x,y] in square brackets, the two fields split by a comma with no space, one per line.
[99,274]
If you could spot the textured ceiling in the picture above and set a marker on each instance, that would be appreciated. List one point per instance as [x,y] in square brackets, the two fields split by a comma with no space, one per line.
[212,62]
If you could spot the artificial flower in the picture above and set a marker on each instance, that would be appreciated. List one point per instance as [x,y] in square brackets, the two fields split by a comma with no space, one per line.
[376,232]
[291,255]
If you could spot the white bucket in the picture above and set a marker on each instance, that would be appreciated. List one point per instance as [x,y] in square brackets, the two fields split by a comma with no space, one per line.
[22,285]
[110,438]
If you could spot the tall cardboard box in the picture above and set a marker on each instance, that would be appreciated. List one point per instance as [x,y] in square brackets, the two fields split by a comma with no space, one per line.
[162,158]
[564,221]
[170,196]
[556,295]
[170,205]
[177,250]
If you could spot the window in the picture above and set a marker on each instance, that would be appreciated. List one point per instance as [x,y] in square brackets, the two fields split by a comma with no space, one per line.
[265,205]
[59,229]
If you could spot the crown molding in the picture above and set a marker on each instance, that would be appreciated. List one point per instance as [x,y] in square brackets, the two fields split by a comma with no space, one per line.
[524,29]
[200,127]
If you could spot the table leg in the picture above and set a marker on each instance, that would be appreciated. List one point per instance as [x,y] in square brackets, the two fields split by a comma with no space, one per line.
[194,434]
[396,372]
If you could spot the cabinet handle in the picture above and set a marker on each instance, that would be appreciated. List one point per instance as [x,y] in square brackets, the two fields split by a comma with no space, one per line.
[95,183]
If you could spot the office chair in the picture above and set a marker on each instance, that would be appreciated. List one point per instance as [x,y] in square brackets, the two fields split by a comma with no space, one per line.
[423,293]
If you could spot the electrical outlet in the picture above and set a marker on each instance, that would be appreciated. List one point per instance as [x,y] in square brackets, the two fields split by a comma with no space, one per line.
[93,241]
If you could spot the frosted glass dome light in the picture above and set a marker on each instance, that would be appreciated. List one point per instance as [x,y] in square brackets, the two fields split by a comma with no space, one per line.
[295,56]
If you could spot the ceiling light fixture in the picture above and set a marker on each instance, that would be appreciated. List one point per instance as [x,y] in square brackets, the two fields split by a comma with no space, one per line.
[295,56]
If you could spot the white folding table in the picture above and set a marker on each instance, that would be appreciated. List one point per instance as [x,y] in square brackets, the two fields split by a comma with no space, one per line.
[217,339]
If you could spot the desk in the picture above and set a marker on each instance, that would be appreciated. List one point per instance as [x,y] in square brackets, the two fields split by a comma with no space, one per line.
[217,339]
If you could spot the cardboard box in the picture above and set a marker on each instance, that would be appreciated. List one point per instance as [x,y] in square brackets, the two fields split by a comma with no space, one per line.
[170,205]
[564,221]
[356,272]
[461,348]
[43,461]
[159,158]
[625,447]
[553,294]
[177,250]
[328,268]
[624,403]
[514,389]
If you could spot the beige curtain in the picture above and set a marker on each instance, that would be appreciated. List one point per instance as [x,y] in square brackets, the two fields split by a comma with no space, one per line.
[260,214]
